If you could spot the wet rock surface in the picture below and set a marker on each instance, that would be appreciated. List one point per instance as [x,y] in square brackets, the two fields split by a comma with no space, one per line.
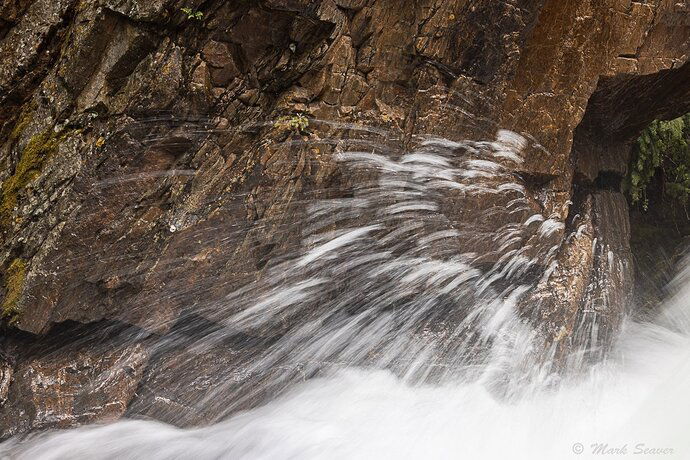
[143,173]
[65,381]
[182,386]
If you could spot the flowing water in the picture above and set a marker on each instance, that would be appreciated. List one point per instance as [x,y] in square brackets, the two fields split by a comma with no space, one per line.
[387,336]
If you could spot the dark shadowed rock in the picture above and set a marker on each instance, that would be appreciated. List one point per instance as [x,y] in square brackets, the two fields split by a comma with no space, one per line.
[68,380]
[181,387]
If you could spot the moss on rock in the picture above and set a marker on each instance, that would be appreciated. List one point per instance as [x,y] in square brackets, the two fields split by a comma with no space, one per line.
[21,124]
[14,285]
[34,156]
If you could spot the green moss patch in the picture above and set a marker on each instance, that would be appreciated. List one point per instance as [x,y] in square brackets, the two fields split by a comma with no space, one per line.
[34,156]
[21,124]
[14,285]
[297,124]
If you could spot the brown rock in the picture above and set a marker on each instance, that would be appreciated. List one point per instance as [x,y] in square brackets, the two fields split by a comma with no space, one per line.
[6,375]
[180,386]
[218,56]
[534,72]
[153,197]
[85,382]
[153,10]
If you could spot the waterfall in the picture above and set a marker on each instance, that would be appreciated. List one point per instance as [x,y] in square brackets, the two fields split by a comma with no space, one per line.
[385,335]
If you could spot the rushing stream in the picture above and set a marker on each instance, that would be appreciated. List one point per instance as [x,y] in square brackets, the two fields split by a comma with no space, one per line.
[391,338]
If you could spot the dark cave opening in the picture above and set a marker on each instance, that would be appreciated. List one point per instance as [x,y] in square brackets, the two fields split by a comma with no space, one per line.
[617,113]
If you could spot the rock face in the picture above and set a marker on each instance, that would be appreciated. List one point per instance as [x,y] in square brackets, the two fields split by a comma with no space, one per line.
[69,380]
[181,385]
[143,172]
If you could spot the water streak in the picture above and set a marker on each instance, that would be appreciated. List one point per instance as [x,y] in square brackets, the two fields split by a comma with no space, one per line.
[412,343]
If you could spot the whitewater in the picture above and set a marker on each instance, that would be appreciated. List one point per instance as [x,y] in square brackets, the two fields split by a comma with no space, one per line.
[380,369]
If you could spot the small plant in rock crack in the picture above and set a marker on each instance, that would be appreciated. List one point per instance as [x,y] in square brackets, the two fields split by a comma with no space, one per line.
[298,123]
[191,14]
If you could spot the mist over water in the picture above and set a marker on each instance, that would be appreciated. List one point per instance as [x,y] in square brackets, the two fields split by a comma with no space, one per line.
[638,399]
[391,338]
